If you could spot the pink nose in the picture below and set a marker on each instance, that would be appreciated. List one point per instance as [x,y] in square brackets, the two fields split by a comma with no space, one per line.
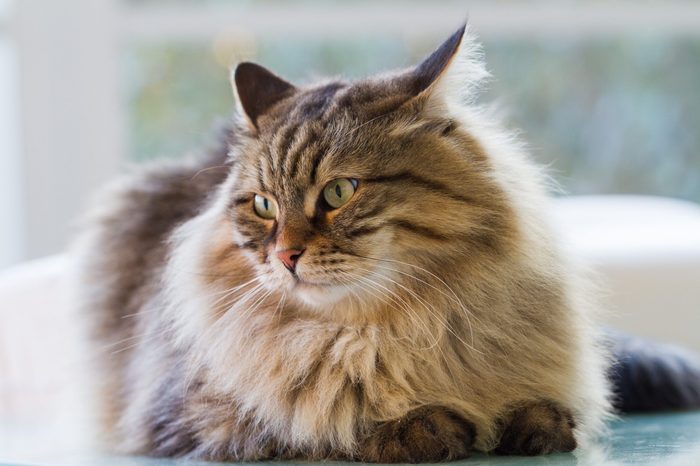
[290,257]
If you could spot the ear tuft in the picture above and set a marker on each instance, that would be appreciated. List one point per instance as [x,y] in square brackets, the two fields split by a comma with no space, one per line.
[258,90]
[428,71]
[453,72]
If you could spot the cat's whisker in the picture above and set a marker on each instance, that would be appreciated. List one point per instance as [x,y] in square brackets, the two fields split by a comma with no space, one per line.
[442,322]
[232,292]
[429,308]
[235,301]
[280,306]
[237,287]
[365,123]
[212,275]
[191,373]
[455,299]
[250,310]
[398,300]
[348,284]
[140,312]
[252,294]
[467,312]
[408,264]
[140,340]
[128,339]
[218,167]
[258,303]
[415,315]
[422,269]
[452,297]
[352,281]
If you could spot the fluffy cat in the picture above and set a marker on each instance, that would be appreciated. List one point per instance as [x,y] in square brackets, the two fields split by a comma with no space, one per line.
[361,271]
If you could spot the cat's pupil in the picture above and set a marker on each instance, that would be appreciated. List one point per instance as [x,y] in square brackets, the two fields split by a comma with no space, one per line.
[338,191]
[265,204]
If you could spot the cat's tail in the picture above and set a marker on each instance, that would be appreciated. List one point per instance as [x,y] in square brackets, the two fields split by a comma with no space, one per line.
[649,376]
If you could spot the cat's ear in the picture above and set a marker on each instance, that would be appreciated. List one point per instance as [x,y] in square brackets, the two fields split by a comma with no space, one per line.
[452,73]
[257,90]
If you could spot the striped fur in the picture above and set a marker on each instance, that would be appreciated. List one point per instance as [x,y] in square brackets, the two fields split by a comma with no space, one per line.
[430,316]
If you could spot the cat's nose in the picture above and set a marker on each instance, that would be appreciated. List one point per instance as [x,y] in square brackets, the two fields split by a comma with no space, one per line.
[290,257]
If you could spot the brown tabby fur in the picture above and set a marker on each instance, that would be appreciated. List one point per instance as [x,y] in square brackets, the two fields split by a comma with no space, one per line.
[430,316]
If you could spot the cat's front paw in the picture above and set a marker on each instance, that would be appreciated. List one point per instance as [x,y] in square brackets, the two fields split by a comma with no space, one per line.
[427,434]
[537,428]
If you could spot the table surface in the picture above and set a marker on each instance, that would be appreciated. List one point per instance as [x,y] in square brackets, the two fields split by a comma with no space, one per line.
[659,439]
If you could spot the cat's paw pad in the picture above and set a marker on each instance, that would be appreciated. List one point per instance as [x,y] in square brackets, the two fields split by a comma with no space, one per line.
[537,428]
[428,434]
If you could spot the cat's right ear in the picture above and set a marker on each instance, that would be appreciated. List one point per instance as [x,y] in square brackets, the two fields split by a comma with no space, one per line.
[257,90]
[450,75]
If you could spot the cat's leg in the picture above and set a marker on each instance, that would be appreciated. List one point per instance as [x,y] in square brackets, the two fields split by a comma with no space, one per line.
[537,428]
[427,434]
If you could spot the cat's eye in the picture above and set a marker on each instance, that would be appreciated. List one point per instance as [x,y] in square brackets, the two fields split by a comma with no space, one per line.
[338,192]
[264,207]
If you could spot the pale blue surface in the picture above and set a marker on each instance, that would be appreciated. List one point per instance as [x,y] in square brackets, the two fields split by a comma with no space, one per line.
[667,440]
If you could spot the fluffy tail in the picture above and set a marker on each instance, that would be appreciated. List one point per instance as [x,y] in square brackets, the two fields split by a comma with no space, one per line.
[650,376]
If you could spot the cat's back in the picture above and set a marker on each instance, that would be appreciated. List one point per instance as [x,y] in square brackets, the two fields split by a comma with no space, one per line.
[121,255]
[124,246]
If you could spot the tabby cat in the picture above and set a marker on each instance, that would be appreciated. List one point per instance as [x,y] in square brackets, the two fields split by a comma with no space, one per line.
[363,270]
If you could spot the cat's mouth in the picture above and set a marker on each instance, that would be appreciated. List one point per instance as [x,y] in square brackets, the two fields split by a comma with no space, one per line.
[301,283]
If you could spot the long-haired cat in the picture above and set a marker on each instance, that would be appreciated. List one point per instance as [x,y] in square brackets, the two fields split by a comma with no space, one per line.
[363,271]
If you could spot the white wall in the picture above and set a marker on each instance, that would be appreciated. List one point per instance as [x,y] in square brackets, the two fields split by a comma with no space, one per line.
[12,245]
[72,118]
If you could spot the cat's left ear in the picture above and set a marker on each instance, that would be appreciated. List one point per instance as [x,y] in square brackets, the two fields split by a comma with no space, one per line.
[451,74]
[257,90]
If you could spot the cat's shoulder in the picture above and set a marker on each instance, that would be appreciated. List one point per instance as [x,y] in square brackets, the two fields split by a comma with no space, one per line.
[124,242]
[143,207]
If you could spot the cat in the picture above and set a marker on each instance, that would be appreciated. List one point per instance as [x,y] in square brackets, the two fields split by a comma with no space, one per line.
[361,271]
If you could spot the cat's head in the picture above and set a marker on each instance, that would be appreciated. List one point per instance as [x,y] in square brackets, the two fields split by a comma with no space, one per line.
[352,190]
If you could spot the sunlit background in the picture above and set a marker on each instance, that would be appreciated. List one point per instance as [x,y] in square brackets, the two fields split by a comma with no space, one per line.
[606,92]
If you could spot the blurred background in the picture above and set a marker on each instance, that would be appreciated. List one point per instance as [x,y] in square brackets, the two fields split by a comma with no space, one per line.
[606,92]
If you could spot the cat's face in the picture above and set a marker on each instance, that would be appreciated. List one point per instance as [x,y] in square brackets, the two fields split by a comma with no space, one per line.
[346,191]
[325,195]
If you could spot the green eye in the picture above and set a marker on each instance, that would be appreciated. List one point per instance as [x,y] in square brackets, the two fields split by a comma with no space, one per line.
[338,192]
[264,207]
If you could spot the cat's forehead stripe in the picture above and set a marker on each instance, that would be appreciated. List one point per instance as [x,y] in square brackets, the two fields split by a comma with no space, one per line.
[281,142]
[305,132]
[289,144]
[261,178]
[306,141]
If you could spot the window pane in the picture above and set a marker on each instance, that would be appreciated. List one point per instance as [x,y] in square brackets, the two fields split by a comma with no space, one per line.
[5,6]
[610,116]
[607,115]
[177,91]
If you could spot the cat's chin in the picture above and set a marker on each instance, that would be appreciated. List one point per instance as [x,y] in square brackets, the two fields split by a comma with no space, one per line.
[319,295]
